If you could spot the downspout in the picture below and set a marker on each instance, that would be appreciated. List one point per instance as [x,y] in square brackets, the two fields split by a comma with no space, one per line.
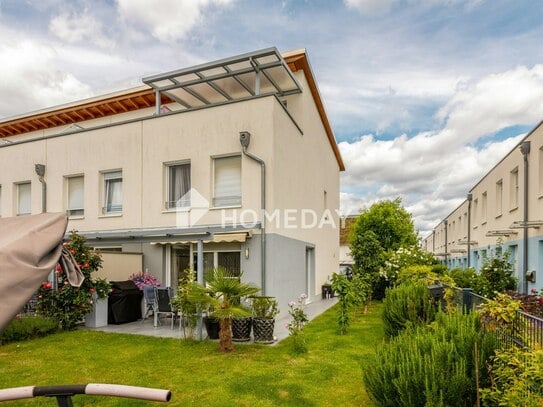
[40,171]
[525,150]
[245,139]
[470,196]
[446,253]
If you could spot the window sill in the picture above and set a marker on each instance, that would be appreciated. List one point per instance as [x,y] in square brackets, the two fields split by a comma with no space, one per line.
[79,217]
[224,207]
[499,216]
[513,209]
[176,210]
[110,215]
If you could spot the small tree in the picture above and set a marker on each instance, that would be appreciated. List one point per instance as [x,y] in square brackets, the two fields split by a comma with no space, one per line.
[384,227]
[347,299]
[66,304]
[184,304]
[223,292]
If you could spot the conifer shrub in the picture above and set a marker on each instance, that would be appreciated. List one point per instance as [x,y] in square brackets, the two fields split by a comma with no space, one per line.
[431,365]
[406,305]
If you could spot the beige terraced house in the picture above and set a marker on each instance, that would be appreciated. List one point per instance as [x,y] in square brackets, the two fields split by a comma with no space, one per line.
[230,163]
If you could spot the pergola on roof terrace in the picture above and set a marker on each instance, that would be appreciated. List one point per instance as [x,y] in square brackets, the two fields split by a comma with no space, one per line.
[257,73]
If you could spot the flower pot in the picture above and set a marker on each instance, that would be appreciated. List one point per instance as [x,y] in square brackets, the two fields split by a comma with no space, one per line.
[212,327]
[98,316]
[241,329]
[263,330]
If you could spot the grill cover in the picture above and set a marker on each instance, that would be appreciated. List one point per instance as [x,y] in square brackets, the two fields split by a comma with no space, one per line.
[124,302]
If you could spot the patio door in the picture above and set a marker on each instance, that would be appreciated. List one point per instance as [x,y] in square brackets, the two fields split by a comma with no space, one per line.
[180,261]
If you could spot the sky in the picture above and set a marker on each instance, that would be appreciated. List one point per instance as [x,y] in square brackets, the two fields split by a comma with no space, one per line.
[424,96]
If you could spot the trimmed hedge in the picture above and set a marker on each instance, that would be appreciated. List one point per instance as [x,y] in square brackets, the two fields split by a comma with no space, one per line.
[28,327]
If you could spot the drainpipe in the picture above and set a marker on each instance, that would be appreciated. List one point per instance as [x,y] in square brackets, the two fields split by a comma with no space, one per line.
[245,139]
[433,241]
[470,196]
[446,222]
[525,150]
[40,171]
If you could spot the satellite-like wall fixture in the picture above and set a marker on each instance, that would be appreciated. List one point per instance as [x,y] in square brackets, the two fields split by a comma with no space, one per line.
[500,233]
[531,224]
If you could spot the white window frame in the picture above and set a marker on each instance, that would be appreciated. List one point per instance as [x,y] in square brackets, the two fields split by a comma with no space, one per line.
[514,189]
[18,187]
[108,177]
[79,210]
[170,203]
[233,201]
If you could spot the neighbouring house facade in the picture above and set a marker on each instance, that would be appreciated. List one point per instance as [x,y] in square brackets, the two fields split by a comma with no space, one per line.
[506,206]
[181,169]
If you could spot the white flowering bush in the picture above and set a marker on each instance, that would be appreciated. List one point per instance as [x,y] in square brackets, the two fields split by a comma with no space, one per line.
[402,258]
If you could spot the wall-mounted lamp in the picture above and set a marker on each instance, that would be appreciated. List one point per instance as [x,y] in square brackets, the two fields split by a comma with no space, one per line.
[246,252]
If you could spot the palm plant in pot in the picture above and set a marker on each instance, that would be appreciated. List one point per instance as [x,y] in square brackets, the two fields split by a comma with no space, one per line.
[241,326]
[223,292]
[264,312]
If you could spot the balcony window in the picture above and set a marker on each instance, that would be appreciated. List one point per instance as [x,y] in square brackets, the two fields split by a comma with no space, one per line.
[113,192]
[227,181]
[178,185]
[75,196]
[24,203]
[513,194]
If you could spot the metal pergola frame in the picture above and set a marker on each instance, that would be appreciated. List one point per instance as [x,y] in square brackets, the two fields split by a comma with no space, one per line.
[241,77]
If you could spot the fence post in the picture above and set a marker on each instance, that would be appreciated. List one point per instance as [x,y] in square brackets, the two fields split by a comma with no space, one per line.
[467,301]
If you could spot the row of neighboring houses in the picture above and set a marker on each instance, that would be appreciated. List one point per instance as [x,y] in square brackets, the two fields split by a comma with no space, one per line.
[506,206]
[213,165]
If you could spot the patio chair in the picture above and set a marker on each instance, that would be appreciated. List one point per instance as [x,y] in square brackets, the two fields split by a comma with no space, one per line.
[163,300]
[150,301]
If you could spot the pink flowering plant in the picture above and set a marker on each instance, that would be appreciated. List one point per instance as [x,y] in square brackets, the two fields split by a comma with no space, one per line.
[296,325]
[142,279]
[68,305]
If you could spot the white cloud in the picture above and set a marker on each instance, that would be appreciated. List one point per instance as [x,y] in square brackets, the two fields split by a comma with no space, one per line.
[79,28]
[378,7]
[442,166]
[32,80]
[169,20]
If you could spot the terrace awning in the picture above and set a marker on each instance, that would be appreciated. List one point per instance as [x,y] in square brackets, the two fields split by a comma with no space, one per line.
[245,76]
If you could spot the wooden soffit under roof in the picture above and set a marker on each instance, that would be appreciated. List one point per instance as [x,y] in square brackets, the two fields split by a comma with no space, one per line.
[67,115]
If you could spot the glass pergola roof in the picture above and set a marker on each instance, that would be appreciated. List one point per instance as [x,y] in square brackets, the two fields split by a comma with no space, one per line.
[254,74]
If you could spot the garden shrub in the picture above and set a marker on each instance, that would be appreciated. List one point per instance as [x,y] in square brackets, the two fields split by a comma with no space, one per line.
[496,274]
[431,365]
[408,304]
[464,278]
[516,379]
[347,300]
[28,327]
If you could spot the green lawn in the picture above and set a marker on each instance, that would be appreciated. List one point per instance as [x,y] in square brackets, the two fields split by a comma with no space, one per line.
[196,373]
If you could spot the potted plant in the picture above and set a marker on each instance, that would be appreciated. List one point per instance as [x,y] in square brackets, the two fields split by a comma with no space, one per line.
[184,305]
[264,312]
[241,327]
[98,316]
[223,291]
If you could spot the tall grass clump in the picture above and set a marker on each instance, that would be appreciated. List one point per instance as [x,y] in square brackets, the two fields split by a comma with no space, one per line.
[406,305]
[433,365]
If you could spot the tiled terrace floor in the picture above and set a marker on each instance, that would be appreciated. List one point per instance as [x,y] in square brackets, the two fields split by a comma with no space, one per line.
[164,330]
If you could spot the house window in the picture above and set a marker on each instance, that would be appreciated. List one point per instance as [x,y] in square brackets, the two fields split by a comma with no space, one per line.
[178,185]
[227,181]
[475,208]
[231,261]
[499,197]
[24,203]
[113,192]
[75,196]
[514,189]
[484,205]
